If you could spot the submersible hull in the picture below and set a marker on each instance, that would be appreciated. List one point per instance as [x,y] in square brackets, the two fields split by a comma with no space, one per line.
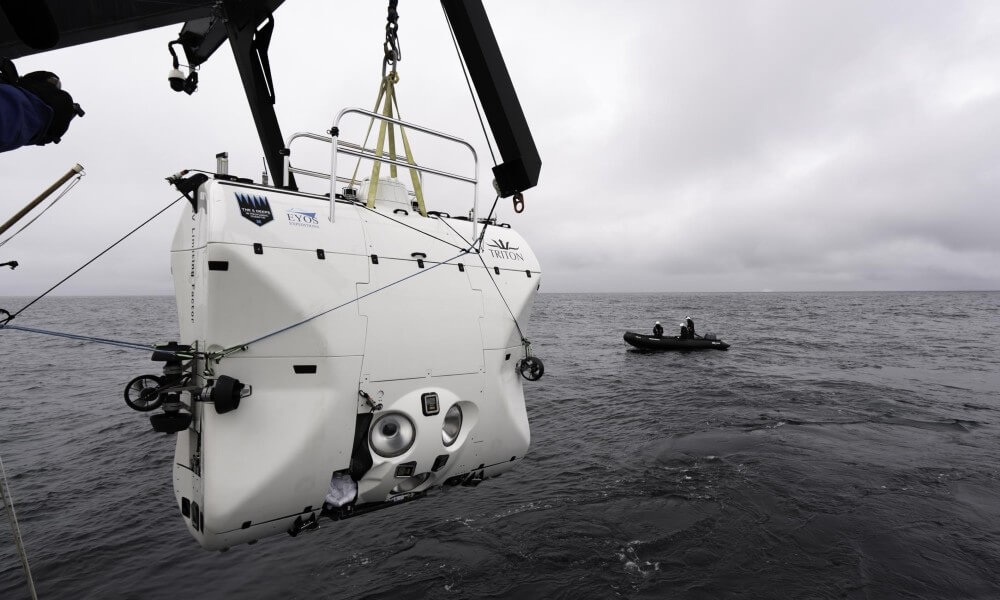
[354,320]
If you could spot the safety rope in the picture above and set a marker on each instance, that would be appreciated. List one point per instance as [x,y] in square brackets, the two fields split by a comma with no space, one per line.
[473,247]
[468,83]
[65,191]
[524,340]
[97,340]
[5,324]
[387,104]
[84,265]
[238,347]
[245,345]
[460,236]
[421,231]
[482,234]
[477,246]
[6,317]
[8,504]
[368,133]
[478,243]
[518,196]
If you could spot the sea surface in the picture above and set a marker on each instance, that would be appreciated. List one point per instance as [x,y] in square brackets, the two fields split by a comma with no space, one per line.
[846,446]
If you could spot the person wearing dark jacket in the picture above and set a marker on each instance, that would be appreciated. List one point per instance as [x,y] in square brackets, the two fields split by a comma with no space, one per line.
[34,110]
[684,331]
[690,327]
[658,330]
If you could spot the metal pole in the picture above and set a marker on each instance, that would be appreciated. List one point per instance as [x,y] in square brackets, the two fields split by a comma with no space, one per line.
[334,137]
[52,188]
[9,508]
[475,209]
[286,155]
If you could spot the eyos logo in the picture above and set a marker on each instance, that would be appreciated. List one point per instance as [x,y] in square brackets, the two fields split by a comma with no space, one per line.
[501,249]
[302,218]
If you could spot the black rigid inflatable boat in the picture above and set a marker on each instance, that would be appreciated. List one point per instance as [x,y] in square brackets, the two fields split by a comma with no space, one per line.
[649,342]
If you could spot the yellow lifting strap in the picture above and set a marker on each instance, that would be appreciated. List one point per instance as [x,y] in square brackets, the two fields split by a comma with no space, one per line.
[384,104]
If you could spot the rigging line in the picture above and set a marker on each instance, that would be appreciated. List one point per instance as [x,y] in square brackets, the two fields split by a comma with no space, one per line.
[96,340]
[477,246]
[243,346]
[482,234]
[469,83]
[51,204]
[460,236]
[457,247]
[102,253]
[516,324]
[371,122]
[15,530]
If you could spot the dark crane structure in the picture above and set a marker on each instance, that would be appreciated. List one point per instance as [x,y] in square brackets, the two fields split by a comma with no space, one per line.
[30,27]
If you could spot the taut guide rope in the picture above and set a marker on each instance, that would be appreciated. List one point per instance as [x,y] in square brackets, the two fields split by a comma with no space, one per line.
[474,246]
[393,54]
[76,180]
[8,504]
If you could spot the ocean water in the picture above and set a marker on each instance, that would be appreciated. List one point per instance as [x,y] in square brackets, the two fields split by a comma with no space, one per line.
[846,446]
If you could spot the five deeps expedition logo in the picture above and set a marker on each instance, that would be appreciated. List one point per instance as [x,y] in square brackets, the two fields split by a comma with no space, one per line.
[255,208]
[502,249]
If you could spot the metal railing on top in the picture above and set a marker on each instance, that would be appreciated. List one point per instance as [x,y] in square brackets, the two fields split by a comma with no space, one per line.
[356,150]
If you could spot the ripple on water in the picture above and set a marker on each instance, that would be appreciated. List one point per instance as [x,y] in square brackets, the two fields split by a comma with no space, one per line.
[793,465]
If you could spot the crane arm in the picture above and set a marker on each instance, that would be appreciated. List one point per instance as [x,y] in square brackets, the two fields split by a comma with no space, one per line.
[42,25]
[478,45]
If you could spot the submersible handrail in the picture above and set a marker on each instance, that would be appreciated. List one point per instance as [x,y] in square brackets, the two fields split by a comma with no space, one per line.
[317,174]
[364,153]
[335,150]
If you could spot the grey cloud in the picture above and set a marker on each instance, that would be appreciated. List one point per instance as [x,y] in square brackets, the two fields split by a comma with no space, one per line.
[686,145]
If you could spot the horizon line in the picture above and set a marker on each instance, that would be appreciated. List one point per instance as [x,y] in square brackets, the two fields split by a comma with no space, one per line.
[592,292]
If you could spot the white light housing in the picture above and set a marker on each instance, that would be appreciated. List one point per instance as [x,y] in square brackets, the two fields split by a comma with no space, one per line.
[392,434]
[452,425]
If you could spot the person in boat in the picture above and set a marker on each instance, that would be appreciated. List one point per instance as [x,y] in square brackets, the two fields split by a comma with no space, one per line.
[684,331]
[690,327]
[658,330]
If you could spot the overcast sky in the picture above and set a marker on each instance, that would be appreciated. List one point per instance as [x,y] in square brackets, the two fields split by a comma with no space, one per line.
[686,145]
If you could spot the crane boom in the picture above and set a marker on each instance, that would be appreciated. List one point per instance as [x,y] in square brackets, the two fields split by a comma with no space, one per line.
[32,27]
[521,162]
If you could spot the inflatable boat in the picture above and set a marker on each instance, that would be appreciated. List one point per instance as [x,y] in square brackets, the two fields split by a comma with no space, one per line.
[648,342]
